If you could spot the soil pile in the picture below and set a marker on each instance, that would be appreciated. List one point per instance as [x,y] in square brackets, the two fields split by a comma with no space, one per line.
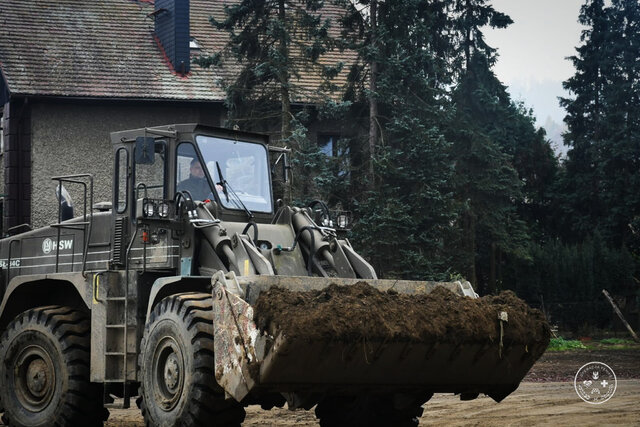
[348,313]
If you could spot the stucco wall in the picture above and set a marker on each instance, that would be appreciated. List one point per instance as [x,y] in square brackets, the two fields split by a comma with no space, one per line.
[3,132]
[72,138]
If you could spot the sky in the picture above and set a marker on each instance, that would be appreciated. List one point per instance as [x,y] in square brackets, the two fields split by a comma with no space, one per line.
[533,50]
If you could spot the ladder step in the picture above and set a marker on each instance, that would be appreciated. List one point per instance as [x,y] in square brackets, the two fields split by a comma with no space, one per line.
[120,405]
[113,356]
[113,405]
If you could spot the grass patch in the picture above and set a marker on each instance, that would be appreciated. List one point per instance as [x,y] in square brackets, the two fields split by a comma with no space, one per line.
[560,344]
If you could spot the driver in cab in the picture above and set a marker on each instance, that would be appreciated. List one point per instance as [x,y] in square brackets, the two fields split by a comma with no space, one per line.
[197,183]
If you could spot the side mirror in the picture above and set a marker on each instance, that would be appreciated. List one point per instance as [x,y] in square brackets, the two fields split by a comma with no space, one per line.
[285,165]
[66,205]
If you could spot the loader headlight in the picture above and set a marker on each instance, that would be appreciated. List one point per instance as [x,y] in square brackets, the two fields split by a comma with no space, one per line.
[163,210]
[342,221]
[326,222]
[149,209]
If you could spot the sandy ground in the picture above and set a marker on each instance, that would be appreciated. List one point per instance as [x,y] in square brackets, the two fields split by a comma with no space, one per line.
[546,397]
[533,404]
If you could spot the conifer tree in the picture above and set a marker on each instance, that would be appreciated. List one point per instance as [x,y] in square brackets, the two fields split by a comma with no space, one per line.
[580,187]
[601,184]
[470,17]
[272,42]
[487,185]
[405,216]
[537,166]
[620,167]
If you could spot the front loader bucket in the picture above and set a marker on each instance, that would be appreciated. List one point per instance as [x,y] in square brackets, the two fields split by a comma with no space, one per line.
[309,334]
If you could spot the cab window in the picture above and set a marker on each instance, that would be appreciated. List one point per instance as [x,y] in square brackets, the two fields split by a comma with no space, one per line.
[190,173]
[150,178]
[245,169]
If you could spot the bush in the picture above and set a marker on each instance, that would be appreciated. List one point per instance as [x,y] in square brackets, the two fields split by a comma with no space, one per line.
[560,344]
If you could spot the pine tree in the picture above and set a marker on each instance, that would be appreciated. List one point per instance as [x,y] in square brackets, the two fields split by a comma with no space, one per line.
[598,191]
[580,186]
[275,49]
[272,42]
[471,17]
[487,185]
[601,185]
[404,218]
[620,168]
[537,165]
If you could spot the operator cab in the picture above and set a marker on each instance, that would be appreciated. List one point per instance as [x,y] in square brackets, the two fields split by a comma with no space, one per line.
[230,168]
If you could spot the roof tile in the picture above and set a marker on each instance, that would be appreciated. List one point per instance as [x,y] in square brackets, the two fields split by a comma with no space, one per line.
[107,48]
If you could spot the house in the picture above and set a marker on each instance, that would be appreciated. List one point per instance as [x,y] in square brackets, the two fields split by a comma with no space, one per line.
[72,72]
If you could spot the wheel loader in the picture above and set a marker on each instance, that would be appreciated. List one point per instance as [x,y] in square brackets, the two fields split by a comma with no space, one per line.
[177,292]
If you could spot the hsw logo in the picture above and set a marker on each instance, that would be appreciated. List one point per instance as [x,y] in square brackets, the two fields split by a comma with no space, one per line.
[49,245]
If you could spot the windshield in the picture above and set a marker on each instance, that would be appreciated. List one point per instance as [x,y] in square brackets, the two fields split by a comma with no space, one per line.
[245,167]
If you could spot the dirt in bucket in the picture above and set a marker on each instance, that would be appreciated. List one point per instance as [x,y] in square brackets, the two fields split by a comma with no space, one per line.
[348,313]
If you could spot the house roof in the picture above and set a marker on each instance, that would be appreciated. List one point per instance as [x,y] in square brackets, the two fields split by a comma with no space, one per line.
[107,49]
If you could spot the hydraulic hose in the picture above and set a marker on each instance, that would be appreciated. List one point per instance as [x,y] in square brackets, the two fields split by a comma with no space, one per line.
[312,250]
[323,206]
[255,230]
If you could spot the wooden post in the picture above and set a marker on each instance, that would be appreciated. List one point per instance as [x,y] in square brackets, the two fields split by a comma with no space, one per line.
[619,313]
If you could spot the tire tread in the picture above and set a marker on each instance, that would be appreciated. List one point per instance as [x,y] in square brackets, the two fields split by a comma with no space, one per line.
[80,404]
[206,405]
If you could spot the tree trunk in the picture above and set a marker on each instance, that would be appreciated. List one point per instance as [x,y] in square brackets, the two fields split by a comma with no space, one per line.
[284,78]
[373,102]
[467,41]
[469,236]
[492,268]
[286,112]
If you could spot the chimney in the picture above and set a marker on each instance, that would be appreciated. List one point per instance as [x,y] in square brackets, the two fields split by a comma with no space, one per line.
[172,29]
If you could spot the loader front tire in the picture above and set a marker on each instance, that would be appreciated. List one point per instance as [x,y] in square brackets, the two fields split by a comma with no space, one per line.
[176,363]
[366,410]
[44,373]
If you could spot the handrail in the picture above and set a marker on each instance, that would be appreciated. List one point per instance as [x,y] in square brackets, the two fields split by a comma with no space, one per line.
[86,225]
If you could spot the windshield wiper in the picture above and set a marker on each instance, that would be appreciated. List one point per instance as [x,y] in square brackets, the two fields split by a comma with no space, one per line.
[226,188]
[222,182]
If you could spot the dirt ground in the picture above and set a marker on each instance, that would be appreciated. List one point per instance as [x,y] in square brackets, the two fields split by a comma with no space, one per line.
[533,404]
[546,397]
[562,366]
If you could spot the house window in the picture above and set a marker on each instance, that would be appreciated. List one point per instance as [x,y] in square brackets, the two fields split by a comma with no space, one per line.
[328,144]
[336,148]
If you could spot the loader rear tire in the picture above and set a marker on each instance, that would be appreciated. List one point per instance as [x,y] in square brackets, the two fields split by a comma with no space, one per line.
[176,362]
[45,371]
[366,410]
